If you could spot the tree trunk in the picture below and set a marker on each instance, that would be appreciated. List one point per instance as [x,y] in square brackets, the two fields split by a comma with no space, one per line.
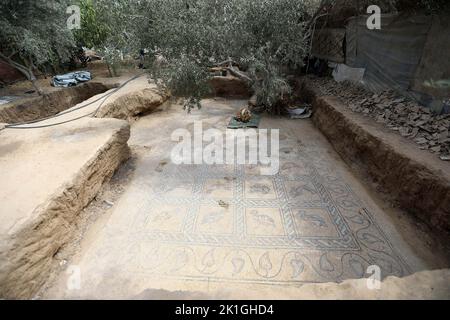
[26,71]
[109,69]
[35,85]
[239,75]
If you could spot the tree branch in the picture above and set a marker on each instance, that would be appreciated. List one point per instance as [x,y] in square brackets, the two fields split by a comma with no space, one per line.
[15,65]
[12,54]
[239,74]
[322,6]
[27,72]
[229,61]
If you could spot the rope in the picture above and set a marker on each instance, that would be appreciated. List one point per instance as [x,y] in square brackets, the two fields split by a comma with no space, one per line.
[104,96]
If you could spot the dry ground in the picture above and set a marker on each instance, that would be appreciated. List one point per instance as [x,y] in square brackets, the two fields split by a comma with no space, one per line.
[166,228]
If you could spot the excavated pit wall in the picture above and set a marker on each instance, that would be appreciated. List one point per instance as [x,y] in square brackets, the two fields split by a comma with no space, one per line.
[415,180]
[51,103]
[129,106]
[27,255]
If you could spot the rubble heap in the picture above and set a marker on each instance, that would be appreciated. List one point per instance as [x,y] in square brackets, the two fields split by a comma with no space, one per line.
[431,132]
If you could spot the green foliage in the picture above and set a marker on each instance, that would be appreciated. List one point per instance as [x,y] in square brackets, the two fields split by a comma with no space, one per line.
[206,32]
[269,86]
[184,78]
[113,58]
[220,29]
[93,31]
[192,35]
[278,27]
[114,32]
[33,34]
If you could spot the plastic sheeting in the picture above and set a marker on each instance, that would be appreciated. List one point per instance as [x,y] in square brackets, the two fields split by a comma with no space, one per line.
[7,99]
[433,73]
[342,72]
[71,79]
[390,55]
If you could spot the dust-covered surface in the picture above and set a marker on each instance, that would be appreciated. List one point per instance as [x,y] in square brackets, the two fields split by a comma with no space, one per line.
[25,104]
[132,104]
[157,229]
[92,217]
[230,86]
[48,176]
[198,229]
[428,285]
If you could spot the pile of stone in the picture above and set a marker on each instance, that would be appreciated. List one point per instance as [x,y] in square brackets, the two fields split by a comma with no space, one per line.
[431,132]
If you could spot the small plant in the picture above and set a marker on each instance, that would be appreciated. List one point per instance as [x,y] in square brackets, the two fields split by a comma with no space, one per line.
[269,86]
[112,58]
[183,78]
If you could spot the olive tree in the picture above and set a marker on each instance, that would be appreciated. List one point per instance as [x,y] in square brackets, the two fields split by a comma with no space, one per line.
[110,28]
[193,35]
[34,33]
[260,36]
[94,30]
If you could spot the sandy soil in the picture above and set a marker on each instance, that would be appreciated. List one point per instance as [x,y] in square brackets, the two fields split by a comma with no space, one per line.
[129,250]
[159,230]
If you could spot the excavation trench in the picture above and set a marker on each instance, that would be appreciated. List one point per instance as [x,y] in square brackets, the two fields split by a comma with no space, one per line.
[220,230]
[413,179]
[52,169]
[163,230]
[34,108]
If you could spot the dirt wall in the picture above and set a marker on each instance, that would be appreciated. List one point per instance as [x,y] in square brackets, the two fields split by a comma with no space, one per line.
[50,103]
[28,249]
[413,179]
[133,104]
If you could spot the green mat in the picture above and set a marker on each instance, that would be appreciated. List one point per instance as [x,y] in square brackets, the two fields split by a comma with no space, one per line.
[253,123]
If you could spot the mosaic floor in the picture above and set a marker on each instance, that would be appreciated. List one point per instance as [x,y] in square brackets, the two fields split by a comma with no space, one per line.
[303,225]
[229,224]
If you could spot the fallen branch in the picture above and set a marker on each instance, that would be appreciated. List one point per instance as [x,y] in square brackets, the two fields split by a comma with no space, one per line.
[239,74]
[230,62]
